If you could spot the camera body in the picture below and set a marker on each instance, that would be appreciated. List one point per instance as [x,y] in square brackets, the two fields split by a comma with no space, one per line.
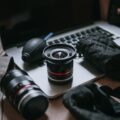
[23,94]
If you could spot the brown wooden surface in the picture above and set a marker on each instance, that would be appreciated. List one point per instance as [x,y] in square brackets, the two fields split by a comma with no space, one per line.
[56,109]
[104,7]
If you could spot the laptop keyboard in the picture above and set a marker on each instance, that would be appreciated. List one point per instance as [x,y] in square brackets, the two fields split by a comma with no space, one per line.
[74,38]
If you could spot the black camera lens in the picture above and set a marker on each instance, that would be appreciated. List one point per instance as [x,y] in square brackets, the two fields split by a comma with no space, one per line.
[23,94]
[59,59]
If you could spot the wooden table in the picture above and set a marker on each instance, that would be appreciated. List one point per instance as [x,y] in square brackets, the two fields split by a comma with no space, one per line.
[56,109]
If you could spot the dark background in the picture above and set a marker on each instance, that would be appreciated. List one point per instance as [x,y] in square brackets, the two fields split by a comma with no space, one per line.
[113,16]
[45,16]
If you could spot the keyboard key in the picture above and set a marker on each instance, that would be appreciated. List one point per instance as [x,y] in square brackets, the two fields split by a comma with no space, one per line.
[69,42]
[83,33]
[62,39]
[78,34]
[50,43]
[68,37]
[73,36]
[56,41]
[75,40]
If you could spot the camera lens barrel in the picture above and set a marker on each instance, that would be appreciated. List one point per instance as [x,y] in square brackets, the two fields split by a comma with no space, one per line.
[24,95]
[59,59]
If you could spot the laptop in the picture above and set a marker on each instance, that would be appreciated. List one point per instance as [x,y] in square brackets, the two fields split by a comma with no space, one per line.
[82,71]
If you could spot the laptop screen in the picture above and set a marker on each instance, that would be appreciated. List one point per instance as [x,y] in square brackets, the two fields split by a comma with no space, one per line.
[38,18]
